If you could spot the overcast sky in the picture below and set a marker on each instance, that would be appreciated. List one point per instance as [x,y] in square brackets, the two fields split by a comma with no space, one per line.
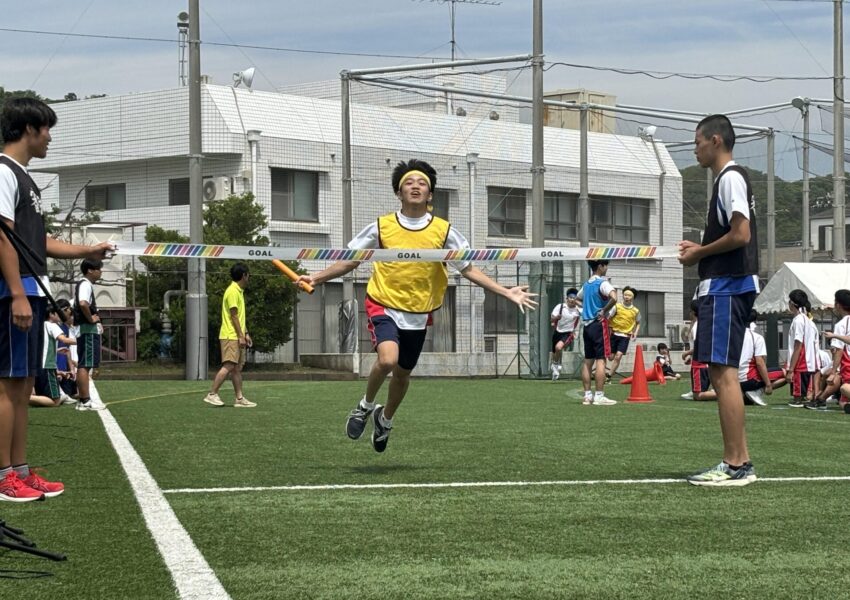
[742,37]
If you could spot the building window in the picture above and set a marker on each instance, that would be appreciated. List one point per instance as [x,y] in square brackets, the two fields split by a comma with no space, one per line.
[651,306]
[440,204]
[506,212]
[560,216]
[106,197]
[295,195]
[619,220]
[501,315]
[178,192]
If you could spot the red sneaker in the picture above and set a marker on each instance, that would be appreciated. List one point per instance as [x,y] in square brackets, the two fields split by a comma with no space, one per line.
[48,488]
[12,489]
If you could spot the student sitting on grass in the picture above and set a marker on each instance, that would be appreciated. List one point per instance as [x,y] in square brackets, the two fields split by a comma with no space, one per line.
[663,359]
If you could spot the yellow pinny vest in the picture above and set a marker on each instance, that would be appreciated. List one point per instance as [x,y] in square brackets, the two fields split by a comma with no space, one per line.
[625,318]
[416,287]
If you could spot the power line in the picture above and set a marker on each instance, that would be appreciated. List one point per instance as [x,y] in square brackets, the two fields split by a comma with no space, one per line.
[221,44]
[671,74]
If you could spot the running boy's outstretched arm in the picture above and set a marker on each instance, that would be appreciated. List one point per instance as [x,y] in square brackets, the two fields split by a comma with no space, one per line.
[338,269]
[518,295]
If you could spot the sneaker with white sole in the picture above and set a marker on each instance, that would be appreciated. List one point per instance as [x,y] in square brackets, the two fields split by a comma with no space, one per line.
[588,400]
[724,476]
[687,396]
[90,405]
[380,432]
[797,403]
[213,399]
[13,489]
[556,372]
[603,401]
[243,402]
[757,397]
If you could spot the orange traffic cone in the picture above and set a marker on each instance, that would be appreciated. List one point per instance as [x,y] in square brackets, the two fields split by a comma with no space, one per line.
[640,388]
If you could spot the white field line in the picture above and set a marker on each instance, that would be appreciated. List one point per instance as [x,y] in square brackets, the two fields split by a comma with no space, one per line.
[470,484]
[193,577]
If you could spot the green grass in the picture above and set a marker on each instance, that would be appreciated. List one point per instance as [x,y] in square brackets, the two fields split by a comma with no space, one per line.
[768,540]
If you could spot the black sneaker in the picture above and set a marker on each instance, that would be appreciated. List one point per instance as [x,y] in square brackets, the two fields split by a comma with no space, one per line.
[355,424]
[380,434]
[816,405]
[847,408]
[797,403]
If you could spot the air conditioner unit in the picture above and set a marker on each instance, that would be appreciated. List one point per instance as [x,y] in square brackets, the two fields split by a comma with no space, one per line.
[490,343]
[217,188]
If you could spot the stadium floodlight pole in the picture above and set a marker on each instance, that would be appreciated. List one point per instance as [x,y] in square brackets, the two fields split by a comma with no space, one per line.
[802,104]
[196,299]
[839,219]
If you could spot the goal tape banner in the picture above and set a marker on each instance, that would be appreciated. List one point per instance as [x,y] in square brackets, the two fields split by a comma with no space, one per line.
[414,255]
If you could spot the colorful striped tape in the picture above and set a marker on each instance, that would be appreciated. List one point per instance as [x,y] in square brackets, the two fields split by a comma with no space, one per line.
[551,254]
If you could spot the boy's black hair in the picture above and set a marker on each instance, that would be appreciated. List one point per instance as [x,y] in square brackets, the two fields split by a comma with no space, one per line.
[90,264]
[661,346]
[572,292]
[594,264]
[754,316]
[629,288]
[51,310]
[63,304]
[800,299]
[414,164]
[718,125]
[19,112]
[238,271]
[842,297]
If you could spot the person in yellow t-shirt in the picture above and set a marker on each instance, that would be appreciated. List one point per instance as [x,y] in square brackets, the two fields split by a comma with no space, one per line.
[625,325]
[234,339]
[401,296]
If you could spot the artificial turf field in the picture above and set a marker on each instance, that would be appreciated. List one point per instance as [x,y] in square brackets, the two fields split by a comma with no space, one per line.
[564,537]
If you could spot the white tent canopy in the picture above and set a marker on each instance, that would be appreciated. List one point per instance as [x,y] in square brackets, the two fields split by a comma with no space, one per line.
[818,280]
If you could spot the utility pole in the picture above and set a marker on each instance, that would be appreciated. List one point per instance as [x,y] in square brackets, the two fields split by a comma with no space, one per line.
[771,207]
[839,246]
[539,323]
[196,299]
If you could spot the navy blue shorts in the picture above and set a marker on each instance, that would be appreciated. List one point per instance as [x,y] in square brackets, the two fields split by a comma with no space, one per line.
[596,342]
[409,341]
[46,384]
[619,344]
[20,351]
[700,381]
[721,324]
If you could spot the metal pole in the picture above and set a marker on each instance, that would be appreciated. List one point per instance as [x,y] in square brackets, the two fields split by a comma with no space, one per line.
[538,319]
[196,299]
[839,246]
[661,179]
[356,73]
[807,241]
[471,164]
[771,207]
[583,199]
[347,222]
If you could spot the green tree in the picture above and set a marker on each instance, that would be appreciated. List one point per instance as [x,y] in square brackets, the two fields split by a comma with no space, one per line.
[269,297]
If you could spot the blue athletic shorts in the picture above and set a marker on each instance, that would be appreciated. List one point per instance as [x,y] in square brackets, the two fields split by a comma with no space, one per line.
[596,342]
[409,341]
[562,337]
[20,351]
[722,322]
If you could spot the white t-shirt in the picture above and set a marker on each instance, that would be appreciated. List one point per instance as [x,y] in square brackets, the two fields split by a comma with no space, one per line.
[803,330]
[568,317]
[53,330]
[825,361]
[369,238]
[841,328]
[753,346]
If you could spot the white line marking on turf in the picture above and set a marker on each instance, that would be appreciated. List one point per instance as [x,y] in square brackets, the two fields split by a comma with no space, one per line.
[468,484]
[190,571]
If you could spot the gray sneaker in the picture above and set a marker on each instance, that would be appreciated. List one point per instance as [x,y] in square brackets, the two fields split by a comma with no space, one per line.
[355,424]
[380,434]
[723,476]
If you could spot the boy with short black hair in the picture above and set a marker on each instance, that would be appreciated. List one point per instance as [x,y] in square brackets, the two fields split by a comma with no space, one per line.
[565,318]
[88,321]
[47,381]
[598,297]
[25,128]
[401,296]
[663,359]
[624,324]
[728,272]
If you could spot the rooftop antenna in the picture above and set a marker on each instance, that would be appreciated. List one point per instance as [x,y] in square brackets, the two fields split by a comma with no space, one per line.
[182,44]
[452,6]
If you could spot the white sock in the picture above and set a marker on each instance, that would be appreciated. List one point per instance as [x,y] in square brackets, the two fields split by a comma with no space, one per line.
[386,422]
[366,405]
[598,394]
[588,394]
